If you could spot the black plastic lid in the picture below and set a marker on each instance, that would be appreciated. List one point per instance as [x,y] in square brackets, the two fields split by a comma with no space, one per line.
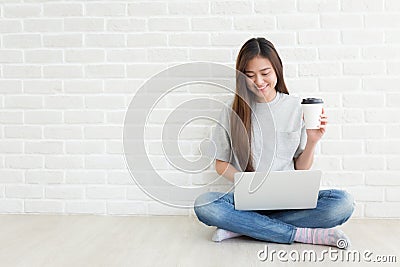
[312,101]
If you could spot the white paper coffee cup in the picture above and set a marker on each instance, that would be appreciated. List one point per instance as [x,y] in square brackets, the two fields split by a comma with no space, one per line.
[312,109]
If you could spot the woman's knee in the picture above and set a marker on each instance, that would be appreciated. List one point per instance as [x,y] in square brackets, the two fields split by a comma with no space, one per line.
[347,203]
[204,205]
[343,206]
[209,207]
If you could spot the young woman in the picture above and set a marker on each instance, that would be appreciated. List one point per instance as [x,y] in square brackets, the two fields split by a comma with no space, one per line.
[295,145]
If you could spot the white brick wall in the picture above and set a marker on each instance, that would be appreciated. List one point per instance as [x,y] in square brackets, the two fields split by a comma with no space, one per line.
[68,71]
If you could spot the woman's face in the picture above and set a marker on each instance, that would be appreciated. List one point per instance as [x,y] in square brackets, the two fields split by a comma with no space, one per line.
[262,78]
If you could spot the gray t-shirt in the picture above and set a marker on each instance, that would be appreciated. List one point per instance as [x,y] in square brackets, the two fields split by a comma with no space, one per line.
[290,135]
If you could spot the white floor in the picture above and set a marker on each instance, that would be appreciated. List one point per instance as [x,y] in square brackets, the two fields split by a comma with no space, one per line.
[50,240]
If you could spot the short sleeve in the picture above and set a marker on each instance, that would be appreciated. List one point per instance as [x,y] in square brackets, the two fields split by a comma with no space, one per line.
[220,136]
[303,140]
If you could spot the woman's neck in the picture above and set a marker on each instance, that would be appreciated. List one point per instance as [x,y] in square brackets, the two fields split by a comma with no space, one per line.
[267,97]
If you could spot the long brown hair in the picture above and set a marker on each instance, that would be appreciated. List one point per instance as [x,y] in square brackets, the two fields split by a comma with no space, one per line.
[241,141]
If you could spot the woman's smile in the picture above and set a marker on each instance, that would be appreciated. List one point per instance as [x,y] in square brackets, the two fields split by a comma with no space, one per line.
[263,87]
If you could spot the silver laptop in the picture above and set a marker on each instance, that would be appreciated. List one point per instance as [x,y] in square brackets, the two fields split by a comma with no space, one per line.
[279,190]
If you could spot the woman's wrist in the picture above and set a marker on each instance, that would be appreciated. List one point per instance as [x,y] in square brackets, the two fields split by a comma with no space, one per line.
[311,144]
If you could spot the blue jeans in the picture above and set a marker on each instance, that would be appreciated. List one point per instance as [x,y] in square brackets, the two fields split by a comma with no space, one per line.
[334,207]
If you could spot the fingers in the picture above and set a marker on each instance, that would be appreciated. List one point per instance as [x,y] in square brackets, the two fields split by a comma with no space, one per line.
[323,118]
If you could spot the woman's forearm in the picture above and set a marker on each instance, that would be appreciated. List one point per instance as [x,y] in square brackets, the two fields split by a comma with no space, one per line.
[306,158]
[303,162]
[225,169]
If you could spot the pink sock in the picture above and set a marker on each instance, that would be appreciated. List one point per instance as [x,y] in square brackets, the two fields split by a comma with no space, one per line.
[322,236]
[221,234]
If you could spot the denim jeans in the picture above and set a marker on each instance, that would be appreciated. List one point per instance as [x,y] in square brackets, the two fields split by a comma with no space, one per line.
[334,207]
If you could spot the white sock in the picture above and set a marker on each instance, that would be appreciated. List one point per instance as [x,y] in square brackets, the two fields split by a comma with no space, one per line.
[221,234]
